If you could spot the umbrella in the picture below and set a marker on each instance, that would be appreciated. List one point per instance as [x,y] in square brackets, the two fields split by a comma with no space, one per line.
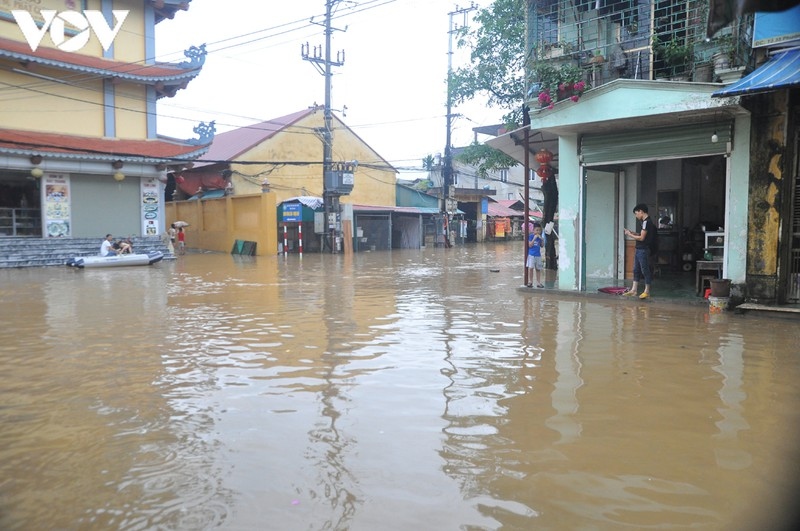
[181,224]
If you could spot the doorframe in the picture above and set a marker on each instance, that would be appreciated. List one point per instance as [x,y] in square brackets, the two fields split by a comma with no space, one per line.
[786,284]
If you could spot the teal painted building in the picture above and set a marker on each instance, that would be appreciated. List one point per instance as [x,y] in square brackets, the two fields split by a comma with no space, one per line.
[714,154]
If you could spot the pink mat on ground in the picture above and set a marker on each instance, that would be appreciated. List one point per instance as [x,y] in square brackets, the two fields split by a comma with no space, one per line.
[613,290]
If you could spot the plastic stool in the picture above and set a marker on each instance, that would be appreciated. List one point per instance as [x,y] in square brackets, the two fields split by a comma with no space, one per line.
[705,282]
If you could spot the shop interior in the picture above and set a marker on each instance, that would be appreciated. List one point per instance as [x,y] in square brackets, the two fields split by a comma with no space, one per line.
[20,213]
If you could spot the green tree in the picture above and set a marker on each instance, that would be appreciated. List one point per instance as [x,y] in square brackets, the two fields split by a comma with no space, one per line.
[485,158]
[497,71]
[429,165]
[497,45]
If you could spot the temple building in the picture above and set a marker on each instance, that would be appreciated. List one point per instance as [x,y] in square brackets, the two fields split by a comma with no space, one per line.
[80,155]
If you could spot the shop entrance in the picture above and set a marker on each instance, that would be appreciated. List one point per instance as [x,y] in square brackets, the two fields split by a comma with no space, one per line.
[686,200]
[20,213]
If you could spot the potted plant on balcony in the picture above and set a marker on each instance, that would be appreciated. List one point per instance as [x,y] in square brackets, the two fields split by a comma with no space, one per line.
[676,55]
[554,84]
[727,64]
[724,50]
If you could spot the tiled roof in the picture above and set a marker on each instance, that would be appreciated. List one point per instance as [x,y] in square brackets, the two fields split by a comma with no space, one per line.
[498,210]
[510,203]
[149,74]
[16,142]
[316,203]
[231,144]
[228,146]
[397,209]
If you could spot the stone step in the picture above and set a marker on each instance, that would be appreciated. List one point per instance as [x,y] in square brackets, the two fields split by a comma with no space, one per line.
[40,252]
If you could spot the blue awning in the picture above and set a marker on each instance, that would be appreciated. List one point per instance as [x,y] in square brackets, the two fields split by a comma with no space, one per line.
[782,71]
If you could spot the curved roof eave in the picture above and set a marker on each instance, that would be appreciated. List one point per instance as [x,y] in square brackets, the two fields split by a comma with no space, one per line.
[166,9]
[148,74]
[67,147]
[189,156]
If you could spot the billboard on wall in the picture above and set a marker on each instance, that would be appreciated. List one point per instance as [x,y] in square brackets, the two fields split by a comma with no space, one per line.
[56,205]
[777,28]
[151,208]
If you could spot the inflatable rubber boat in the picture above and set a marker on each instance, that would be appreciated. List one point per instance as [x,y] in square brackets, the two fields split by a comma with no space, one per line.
[116,261]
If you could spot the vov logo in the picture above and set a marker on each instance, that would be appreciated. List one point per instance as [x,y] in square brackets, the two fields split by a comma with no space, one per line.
[56,23]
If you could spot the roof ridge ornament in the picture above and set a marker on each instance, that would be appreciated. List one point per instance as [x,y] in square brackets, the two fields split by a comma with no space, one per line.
[196,56]
[206,132]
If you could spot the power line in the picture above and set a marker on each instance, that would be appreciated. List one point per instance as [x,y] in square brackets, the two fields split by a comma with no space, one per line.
[88,78]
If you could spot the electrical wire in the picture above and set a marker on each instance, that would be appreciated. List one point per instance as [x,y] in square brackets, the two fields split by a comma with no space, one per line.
[84,78]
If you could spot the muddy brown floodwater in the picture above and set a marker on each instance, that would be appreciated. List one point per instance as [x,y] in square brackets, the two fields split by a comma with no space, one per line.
[388,390]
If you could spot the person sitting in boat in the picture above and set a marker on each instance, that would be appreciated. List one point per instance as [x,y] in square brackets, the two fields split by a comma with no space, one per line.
[124,246]
[107,247]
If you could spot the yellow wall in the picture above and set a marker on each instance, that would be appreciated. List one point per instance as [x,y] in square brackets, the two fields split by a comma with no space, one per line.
[131,110]
[51,107]
[767,168]
[215,224]
[128,45]
[74,108]
[300,143]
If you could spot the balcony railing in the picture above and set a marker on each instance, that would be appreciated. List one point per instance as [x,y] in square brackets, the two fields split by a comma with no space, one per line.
[635,39]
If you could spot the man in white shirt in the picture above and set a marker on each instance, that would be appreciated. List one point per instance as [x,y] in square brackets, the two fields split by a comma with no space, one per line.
[107,247]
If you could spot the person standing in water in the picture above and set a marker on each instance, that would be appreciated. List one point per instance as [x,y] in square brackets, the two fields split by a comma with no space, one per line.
[641,260]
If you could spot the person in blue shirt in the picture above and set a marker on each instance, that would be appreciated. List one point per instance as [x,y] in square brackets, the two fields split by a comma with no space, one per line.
[534,261]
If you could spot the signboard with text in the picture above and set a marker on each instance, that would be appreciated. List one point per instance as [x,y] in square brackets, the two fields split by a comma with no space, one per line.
[292,212]
[150,206]
[56,220]
[782,27]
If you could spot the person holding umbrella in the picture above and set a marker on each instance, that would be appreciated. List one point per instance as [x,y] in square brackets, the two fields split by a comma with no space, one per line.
[176,231]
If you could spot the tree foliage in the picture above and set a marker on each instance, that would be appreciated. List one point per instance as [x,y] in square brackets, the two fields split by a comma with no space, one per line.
[485,158]
[497,44]
[497,69]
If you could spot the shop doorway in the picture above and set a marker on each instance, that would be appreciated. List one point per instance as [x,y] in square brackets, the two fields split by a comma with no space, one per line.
[20,212]
[792,260]
[686,200]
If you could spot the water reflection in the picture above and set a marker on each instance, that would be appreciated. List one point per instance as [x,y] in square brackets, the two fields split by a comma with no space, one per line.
[402,390]
[731,369]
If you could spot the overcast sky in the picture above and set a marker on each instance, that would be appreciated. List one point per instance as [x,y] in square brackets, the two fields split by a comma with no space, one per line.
[392,81]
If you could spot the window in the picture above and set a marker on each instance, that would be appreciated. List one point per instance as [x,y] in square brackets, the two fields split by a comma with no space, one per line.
[504,175]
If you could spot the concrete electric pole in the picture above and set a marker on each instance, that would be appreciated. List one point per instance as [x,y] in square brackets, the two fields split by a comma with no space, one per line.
[447,168]
[322,61]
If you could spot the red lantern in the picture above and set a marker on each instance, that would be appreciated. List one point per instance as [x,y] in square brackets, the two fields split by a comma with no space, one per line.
[544,171]
[544,156]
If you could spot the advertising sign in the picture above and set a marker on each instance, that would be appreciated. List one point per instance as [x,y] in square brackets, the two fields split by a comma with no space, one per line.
[780,27]
[56,205]
[150,206]
[292,212]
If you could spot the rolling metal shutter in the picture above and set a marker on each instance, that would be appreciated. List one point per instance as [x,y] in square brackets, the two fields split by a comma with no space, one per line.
[656,143]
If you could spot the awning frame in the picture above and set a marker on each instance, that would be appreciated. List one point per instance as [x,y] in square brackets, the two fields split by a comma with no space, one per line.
[782,71]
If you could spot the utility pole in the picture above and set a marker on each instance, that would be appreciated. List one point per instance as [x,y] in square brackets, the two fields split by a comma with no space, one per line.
[447,168]
[323,63]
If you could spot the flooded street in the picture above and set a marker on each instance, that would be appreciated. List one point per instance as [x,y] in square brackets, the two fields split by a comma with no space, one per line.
[387,390]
